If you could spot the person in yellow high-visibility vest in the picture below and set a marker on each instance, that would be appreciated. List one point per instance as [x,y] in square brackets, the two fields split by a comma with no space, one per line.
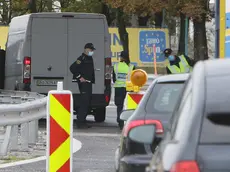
[178,64]
[121,73]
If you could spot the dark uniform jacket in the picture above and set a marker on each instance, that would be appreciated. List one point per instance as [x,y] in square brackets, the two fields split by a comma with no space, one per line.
[83,67]
[191,62]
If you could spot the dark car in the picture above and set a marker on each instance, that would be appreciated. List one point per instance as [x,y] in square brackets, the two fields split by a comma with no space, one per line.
[152,114]
[198,138]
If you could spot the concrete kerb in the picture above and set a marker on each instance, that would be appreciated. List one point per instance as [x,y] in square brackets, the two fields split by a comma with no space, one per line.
[77,145]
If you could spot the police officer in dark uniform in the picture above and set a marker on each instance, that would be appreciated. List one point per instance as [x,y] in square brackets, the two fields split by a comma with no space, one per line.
[83,74]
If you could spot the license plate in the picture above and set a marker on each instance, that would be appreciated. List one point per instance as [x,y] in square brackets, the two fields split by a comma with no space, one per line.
[46,82]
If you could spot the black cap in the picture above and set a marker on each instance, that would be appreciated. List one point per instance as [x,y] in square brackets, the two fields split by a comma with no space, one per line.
[124,55]
[167,51]
[90,46]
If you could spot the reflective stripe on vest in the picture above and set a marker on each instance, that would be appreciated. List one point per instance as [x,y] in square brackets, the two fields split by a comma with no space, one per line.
[130,71]
[184,66]
[187,67]
[122,71]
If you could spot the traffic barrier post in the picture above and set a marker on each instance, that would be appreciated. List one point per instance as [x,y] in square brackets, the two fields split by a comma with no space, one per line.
[134,95]
[59,130]
[132,99]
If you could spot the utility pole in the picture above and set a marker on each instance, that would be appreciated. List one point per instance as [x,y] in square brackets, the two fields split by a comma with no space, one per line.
[32,6]
[186,36]
[222,38]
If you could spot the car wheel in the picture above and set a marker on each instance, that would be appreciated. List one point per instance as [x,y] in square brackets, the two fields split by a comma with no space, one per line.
[100,114]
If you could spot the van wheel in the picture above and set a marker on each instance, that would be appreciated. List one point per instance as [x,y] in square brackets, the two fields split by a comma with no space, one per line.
[100,114]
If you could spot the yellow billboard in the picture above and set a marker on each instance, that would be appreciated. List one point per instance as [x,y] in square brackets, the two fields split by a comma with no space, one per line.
[141,41]
[3,36]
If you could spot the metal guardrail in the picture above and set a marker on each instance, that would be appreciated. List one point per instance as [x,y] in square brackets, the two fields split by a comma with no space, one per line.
[19,114]
[15,97]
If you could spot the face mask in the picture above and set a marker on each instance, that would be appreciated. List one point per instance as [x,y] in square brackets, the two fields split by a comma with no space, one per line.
[90,53]
[171,58]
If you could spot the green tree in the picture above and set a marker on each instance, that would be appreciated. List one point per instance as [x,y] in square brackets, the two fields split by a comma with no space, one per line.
[4,11]
[197,11]
[143,9]
[11,8]
[35,6]
[89,6]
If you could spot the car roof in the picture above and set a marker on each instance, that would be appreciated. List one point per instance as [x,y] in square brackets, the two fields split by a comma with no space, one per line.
[172,78]
[153,76]
[217,67]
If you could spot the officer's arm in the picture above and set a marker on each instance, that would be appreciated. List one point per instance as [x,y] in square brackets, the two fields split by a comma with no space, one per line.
[114,76]
[191,62]
[77,68]
[93,75]
[168,71]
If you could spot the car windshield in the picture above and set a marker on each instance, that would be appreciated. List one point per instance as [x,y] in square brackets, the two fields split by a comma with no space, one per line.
[164,97]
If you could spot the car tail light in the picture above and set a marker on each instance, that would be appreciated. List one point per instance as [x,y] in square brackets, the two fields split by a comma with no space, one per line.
[132,124]
[107,98]
[27,70]
[108,68]
[185,166]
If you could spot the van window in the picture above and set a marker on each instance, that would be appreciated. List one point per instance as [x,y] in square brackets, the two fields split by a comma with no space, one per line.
[164,97]
[217,101]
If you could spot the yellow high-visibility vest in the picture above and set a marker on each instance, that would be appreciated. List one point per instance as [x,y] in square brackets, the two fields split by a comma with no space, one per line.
[122,71]
[184,66]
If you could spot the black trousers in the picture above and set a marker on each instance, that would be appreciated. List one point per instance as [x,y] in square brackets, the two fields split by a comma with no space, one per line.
[120,94]
[85,100]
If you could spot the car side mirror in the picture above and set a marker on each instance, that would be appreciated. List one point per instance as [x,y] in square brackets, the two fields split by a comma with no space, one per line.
[144,134]
[125,114]
[220,118]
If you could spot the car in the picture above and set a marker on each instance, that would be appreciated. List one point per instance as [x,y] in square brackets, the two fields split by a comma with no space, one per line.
[153,112]
[151,78]
[41,47]
[198,137]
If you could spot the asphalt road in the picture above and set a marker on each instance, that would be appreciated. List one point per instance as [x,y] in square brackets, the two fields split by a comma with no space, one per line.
[97,152]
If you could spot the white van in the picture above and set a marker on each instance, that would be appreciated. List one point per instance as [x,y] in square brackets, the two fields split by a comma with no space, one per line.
[41,47]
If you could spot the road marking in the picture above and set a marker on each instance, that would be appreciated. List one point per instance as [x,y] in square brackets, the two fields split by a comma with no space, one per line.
[97,134]
[90,170]
[94,159]
[77,145]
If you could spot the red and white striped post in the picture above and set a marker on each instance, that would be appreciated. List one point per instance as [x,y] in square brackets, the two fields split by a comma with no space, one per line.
[59,130]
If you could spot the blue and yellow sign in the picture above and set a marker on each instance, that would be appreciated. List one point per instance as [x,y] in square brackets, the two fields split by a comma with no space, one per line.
[223,19]
[141,41]
[227,32]
[146,41]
